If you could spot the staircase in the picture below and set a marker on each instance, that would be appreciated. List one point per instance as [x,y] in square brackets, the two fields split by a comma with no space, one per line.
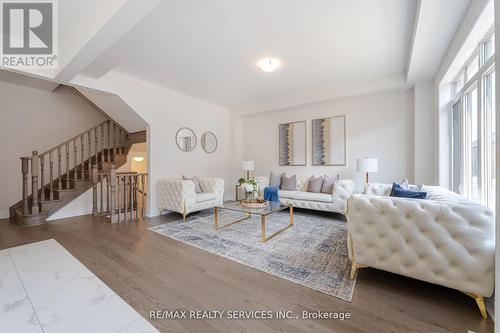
[56,177]
[119,196]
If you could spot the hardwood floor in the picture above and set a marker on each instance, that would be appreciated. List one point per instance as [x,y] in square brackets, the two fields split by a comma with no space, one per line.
[152,272]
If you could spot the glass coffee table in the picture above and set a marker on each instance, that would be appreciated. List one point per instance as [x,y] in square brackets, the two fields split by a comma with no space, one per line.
[272,208]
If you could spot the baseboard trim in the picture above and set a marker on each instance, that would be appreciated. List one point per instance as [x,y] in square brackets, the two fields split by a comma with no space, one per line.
[490,306]
[4,214]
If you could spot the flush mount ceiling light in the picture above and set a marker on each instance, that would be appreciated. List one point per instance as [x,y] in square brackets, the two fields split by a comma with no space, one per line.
[269,64]
[138,159]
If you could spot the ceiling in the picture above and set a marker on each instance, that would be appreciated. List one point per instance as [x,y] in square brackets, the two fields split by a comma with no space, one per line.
[208,48]
[115,108]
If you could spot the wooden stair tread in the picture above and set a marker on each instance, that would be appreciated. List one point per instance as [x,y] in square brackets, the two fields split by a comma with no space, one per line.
[66,190]
[77,180]
[31,219]
[20,212]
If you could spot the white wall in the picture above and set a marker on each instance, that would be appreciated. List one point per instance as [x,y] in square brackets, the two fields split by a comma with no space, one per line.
[424,132]
[34,119]
[81,205]
[377,125]
[166,111]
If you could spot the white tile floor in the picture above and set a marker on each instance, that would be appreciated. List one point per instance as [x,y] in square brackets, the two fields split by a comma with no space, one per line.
[43,288]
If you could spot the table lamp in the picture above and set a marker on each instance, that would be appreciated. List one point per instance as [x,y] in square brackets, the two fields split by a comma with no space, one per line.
[367,165]
[248,166]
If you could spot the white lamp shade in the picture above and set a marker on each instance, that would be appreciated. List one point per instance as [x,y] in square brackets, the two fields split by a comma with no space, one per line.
[367,164]
[248,166]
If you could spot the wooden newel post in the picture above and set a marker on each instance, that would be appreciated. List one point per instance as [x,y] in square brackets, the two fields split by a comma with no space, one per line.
[113,183]
[95,179]
[35,164]
[24,171]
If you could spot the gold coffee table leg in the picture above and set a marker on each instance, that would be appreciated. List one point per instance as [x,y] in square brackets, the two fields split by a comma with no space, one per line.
[216,220]
[263,226]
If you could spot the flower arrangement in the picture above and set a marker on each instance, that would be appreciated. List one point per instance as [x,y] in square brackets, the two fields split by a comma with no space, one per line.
[250,187]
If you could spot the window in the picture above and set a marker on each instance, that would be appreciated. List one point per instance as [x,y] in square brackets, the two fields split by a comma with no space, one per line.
[489,138]
[489,46]
[472,145]
[473,126]
[472,67]
[459,83]
[456,148]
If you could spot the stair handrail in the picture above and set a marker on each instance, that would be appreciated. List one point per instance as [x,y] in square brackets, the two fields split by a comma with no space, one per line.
[68,162]
[83,133]
[46,175]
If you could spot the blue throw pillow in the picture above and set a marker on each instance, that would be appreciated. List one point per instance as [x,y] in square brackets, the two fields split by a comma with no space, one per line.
[398,191]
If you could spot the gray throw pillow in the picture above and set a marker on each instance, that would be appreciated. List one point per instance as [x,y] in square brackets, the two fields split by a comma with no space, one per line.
[329,183]
[289,183]
[315,184]
[196,181]
[275,179]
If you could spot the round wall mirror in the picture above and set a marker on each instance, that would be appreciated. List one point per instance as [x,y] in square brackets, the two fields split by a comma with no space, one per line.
[185,139]
[209,142]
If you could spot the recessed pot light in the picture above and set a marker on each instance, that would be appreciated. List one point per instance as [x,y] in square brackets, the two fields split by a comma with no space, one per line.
[138,159]
[269,64]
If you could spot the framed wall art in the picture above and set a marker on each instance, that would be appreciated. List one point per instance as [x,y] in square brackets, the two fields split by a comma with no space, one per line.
[292,143]
[329,141]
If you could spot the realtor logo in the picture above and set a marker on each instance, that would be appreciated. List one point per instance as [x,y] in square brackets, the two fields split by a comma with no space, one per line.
[29,34]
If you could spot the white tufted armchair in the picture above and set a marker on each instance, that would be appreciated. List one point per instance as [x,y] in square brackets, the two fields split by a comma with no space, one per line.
[179,195]
[446,239]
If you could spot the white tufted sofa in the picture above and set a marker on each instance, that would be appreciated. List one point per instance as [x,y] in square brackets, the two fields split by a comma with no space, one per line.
[445,239]
[179,195]
[334,202]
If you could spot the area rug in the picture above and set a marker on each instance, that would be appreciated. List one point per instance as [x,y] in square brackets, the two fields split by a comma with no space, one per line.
[312,253]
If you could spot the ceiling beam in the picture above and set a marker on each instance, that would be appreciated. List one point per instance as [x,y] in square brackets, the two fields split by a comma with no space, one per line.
[433,31]
[328,94]
[27,81]
[125,18]
[411,64]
